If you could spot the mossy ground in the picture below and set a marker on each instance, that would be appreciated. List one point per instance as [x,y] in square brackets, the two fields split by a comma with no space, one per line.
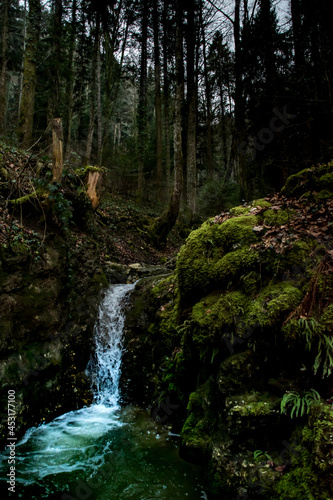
[230,316]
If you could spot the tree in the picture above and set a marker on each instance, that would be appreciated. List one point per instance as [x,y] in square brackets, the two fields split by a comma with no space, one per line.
[158,100]
[142,104]
[3,65]
[191,143]
[163,225]
[26,113]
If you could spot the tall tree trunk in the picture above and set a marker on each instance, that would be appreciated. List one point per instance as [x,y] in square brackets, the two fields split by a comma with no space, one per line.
[297,36]
[191,145]
[70,82]
[98,90]
[209,142]
[27,106]
[237,156]
[158,100]
[142,104]
[3,65]
[113,71]
[166,97]
[54,105]
[162,227]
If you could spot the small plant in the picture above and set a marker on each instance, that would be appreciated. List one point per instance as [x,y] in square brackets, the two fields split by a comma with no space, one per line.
[297,403]
[324,357]
[309,327]
[260,455]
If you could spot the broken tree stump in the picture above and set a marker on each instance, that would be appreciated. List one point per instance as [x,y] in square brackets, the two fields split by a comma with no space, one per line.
[57,150]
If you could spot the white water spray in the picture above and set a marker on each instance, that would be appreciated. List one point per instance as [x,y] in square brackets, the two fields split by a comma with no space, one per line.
[104,368]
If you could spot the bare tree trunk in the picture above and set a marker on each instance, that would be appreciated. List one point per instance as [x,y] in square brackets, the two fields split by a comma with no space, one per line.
[191,156]
[158,100]
[113,70]
[209,142]
[57,150]
[27,106]
[142,104]
[3,66]
[163,225]
[98,92]
[71,79]
[54,104]
[166,98]
[90,130]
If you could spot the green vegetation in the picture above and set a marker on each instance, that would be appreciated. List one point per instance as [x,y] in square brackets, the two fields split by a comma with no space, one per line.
[299,404]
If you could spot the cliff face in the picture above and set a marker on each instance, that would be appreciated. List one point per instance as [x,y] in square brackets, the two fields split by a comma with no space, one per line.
[235,347]
[48,305]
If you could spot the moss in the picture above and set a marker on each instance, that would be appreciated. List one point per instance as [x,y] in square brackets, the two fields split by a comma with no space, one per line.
[240,210]
[83,171]
[246,413]
[299,484]
[324,195]
[261,203]
[198,427]
[216,312]
[291,331]
[254,405]
[236,373]
[23,199]
[272,304]
[326,181]
[311,460]
[299,252]
[230,267]
[278,218]
[204,247]
[309,181]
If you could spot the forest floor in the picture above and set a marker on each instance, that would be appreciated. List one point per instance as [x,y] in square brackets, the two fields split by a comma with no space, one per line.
[119,225]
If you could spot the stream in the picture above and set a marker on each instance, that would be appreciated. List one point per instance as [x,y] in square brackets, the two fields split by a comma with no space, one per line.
[104,451]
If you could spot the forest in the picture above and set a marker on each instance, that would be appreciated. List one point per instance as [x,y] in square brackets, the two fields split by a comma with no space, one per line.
[166,249]
[211,101]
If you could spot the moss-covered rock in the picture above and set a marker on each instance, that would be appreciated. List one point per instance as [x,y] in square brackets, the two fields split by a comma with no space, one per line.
[311,181]
[204,247]
[228,335]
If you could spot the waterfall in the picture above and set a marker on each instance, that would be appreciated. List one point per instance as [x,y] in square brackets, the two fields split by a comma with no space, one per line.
[102,451]
[104,368]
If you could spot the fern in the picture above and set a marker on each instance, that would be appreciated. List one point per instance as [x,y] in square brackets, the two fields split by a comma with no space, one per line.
[325,345]
[324,355]
[297,403]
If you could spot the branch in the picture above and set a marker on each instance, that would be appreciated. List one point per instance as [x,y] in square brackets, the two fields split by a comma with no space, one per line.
[221,11]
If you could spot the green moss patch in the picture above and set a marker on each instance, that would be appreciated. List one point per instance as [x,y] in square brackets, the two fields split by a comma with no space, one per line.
[204,247]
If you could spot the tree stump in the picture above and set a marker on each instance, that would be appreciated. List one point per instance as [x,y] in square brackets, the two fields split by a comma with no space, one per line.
[57,150]
[94,188]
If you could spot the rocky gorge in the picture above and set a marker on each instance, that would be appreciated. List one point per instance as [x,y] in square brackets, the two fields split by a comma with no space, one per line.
[229,344]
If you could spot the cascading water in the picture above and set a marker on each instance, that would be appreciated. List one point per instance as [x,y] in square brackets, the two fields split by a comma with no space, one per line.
[102,452]
[104,367]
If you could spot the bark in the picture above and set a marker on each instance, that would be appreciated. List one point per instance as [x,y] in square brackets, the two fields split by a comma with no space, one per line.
[57,150]
[209,142]
[70,83]
[29,75]
[142,104]
[3,65]
[166,98]
[165,223]
[98,92]
[297,37]
[94,188]
[158,100]
[191,155]
[54,105]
